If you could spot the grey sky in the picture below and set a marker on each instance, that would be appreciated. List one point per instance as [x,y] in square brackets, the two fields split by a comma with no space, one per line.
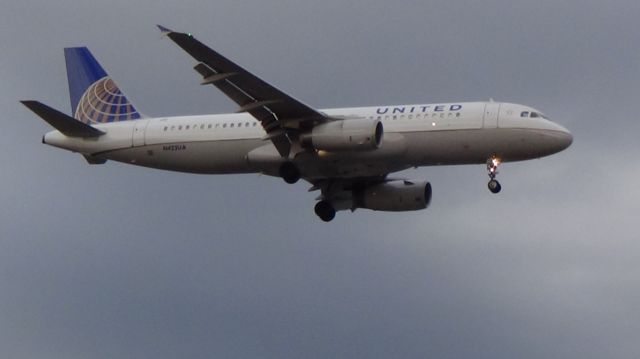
[119,261]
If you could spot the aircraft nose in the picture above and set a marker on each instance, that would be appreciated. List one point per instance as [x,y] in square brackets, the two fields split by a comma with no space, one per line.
[565,138]
[558,138]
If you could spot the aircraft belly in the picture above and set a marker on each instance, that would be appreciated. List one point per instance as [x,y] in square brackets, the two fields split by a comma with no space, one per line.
[474,146]
[350,169]
[206,157]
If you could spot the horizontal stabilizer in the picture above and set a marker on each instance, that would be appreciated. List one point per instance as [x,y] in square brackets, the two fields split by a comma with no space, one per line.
[68,125]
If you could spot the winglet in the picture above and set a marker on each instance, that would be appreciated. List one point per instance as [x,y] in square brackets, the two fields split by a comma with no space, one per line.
[68,125]
[164,30]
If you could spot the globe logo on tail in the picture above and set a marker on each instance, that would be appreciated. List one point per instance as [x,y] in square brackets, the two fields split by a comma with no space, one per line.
[104,102]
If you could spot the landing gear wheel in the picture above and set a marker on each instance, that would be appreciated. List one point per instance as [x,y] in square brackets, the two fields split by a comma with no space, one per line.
[325,211]
[492,167]
[494,186]
[289,172]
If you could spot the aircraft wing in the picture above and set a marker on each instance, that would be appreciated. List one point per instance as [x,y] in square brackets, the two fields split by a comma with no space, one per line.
[281,115]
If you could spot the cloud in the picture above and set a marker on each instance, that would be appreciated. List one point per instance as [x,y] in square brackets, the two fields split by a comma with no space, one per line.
[118,261]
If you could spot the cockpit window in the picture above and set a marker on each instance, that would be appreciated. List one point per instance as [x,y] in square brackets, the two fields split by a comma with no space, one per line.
[532,114]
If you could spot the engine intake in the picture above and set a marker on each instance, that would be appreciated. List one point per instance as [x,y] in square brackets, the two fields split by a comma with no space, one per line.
[396,196]
[345,135]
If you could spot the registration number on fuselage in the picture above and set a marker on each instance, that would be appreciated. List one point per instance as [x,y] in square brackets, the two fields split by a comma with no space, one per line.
[174,148]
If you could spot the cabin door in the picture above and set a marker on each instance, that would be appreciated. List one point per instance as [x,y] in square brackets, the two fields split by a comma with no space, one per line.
[490,119]
[139,127]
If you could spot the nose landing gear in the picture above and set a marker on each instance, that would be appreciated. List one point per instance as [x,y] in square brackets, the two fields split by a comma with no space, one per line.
[492,167]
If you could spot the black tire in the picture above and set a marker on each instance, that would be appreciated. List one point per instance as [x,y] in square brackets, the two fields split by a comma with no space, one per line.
[494,186]
[289,172]
[325,211]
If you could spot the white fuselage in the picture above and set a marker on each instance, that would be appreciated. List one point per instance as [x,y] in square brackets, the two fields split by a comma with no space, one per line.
[414,135]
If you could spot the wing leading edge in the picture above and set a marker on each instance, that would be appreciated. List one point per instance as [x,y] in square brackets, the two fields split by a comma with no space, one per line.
[281,115]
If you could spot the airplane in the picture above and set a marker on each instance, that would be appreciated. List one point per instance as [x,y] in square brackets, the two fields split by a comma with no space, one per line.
[346,154]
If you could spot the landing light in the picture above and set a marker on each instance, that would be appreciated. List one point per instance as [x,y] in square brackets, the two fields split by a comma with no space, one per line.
[492,166]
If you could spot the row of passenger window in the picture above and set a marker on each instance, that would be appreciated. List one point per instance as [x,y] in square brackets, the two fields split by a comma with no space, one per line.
[210,126]
[418,116]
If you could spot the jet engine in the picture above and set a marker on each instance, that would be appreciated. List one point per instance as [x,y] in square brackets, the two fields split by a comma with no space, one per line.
[396,196]
[345,135]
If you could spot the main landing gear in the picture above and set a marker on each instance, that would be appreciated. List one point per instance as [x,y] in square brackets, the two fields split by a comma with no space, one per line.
[325,210]
[492,167]
[289,172]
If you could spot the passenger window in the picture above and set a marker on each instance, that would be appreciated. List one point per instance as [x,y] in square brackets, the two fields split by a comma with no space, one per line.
[217,125]
[166,128]
[209,127]
[255,124]
[246,124]
[202,127]
[180,128]
[231,125]
[224,125]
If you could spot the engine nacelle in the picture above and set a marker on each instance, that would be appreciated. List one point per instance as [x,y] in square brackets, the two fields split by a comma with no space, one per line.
[345,135]
[396,196]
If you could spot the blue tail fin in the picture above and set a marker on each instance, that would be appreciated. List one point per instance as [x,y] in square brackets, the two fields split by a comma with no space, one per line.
[95,98]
